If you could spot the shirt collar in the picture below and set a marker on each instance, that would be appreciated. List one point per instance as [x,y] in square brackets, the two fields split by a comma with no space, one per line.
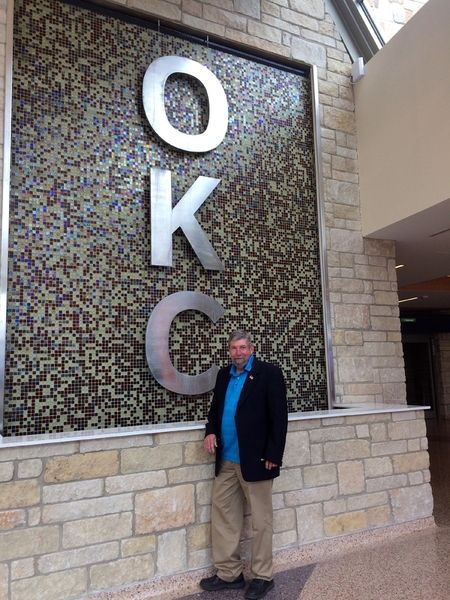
[247,367]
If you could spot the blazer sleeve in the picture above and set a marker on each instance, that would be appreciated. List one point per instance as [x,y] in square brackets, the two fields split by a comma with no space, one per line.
[277,402]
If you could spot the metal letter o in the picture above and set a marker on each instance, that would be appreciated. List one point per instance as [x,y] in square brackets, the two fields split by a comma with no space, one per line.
[153,97]
[157,342]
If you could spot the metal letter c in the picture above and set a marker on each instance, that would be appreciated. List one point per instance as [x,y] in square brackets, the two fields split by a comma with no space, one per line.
[157,342]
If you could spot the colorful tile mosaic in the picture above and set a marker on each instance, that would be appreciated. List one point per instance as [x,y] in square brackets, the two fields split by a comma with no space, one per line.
[81,286]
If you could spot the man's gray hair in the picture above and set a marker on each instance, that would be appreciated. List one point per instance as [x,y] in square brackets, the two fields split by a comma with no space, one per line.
[240,334]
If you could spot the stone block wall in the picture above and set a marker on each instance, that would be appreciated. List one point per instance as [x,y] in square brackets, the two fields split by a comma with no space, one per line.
[84,517]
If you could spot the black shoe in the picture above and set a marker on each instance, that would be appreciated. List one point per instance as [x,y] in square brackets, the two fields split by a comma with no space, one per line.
[211,584]
[259,588]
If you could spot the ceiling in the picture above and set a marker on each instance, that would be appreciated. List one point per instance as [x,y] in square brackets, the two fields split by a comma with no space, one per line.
[423,246]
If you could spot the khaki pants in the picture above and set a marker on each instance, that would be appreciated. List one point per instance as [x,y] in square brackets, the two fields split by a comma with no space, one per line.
[229,492]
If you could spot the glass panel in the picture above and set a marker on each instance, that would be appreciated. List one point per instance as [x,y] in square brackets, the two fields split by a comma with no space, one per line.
[389,16]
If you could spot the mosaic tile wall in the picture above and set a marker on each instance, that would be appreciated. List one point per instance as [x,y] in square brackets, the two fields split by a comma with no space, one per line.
[81,286]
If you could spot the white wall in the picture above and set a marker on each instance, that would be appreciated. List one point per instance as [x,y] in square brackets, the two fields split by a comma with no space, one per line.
[403,121]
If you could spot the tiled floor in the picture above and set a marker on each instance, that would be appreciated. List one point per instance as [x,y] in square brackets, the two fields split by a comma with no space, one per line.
[415,566]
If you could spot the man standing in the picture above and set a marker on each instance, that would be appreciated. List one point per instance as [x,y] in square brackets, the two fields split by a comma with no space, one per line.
[247,425]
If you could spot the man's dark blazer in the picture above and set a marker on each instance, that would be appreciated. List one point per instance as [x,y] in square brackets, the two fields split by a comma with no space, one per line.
[261,419]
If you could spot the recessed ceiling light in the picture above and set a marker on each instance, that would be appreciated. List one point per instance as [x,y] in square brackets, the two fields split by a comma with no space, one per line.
[399,266]
[408,299]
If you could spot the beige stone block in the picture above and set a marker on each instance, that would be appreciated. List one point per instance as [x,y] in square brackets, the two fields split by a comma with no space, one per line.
[40,451]
[138,545]
[203,514]
[347,523]
[295,22]
[6,471]
[82,466]
[378,432]
[70,559]
[297,449]
[411,503]
[34,516]
[378,467]
[256,43]
[4,582]
[311,496]
[413,461]
[343,193]
[187,474]
[407,429]
[97,530]
[122,572]
[332,434]
[284,539]
[223,17]
[29,468]
[316,454]
[20,569]
[187,437]
[195,454]
[199,537]
[55,586]
[343,240]
[385,323]
[311,53]
[353,338]
[64,492]
[319,475]
[303,424]
[379,516]
[415,445]
[392,375]
[22,543]
[362,431]
[18,494]
[135,482]
[364,501]
[271,34]
[351,477]
[340,120]
[270,8]
[355,369]
[314,8]
[151,459]
[83,509]
[172,553]
[116,443]
[335,507]
[10,519]
[289,479]
[168,508]
[418,477]
[408,416]
[192,8]
[388,448]
[352,316]
[283,520]
[200,558]
[346,450]
[203,492]
[309,523]
[389,482]
[157,8]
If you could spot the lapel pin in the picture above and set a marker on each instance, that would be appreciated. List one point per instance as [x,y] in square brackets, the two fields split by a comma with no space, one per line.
[251,376]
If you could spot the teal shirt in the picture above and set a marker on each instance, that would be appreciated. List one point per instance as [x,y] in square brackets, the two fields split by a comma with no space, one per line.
[230,446]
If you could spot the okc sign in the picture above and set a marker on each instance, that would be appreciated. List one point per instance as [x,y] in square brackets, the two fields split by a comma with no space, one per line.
[165,220]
